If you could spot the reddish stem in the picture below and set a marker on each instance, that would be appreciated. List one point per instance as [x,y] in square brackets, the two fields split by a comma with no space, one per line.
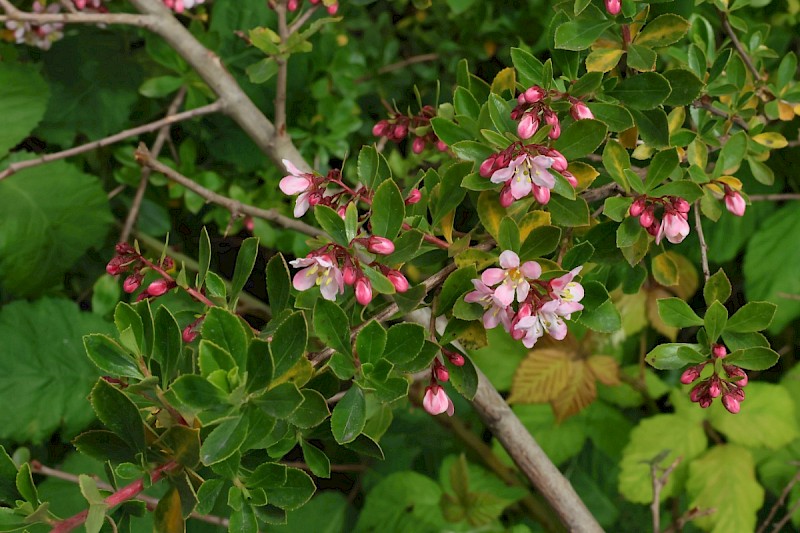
[194,293]
[122,495]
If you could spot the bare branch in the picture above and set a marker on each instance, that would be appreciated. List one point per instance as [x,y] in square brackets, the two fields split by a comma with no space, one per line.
[784,494]
[659,481]
[283,69]
[739,121]
[12,13]
[726,25]
[774,197]
[703,246]
[133,132]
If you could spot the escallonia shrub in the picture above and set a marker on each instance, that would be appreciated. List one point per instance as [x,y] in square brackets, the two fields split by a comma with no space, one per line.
[530,208]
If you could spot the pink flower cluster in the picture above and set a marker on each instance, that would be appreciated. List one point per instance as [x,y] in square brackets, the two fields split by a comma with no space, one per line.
[128,259]
[398,126]
[436,401]
[179,6]
[332,8]
[541,306]
[730,387]
[532,110]
[675,222]
[332,267]
[526,169]
[38,35]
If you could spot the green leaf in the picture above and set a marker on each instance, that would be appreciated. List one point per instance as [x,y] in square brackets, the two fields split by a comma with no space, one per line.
[289,341]
[641,58]
[332,223]
[197,393]
[110,357]
[224,440]
[317,461]
[643,91]
[717,288]
[371,342]
[500,115]
[463,378]
[184,443]
[388,210]
[403,342]
[687,190]
[294,493]
[617,207]
[403,497]
[541,241]
[715,320]
[529,69]
[672,356]
[732,154]
[753,316]
[281,401]
[118,413]
[245,261]
[628,232]
[508,237]
[52,214]
[735,509]
[675,312]
[616,117]
[675,434]
[349,416]
[686,87]
[577,255]
[351,221]
[615,161]
[581,138]
[662,31]
[653,126]
[23,101]
[446,196]
[568,212]
[160,86]
[756,358]
[368,161]
[580,32]
[406,247]
[454,286]
[380,283]
[167,343]
[331,326]
[226,331]
[279,284]
[312,412]
[471,151]
[448,131]
[661,166]
[260,366]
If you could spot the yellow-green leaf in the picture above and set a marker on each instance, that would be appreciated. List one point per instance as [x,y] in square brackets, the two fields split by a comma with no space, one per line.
[603,59]
[663,31]
[771,139]
[506,80]
[578,394]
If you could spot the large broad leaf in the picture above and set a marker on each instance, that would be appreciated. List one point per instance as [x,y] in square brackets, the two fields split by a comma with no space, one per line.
[51,215]
[770,265]
[46,375]
[23,100]
[732,467]
[407,500]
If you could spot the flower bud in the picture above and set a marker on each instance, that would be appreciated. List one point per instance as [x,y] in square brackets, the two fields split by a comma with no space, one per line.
[168,263]
[521,99]
[413,197]
[736,372]
[349,273]
[647,217]
[698,391]
[440,372]
[487,167]
[613,6]
[638,206]
[380,129]
[719,351]
[436,401]
[681,205]
[653,228]
[399,131]
[454,357]
[541,194]
[441,145]
[132,283]
[559,161]
[341,211]
[527,126]
[580,111]
[731,403]
[714,387]
[555,129]
[506,198]
[735,203]
[534,94]
[292,5]
[398,280]
[314,198]
[115,266]
[249,225]
[380,245]
[189,334]
[158,287]
[705,402]
[124,248]
[332,9]
[570,177]
[363,291]
[691,374]
[418,145]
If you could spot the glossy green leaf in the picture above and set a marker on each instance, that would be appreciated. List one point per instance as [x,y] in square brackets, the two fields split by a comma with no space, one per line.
[756,358]
[370,342]
[580,32]
[662,31]
[279,283]
[653,126]
[753,316]
[317,461]
[224,440]
[332,223]
[349,416]
[167,344]
[454,286]
[110,357]
[312,412]
[118,413]
[23,101]
[332,326]
[388,210]
[581,138]
[403,342]
[245,261]
[289,340]
[672,356]
[540,242]
[675,312]
[715,320]
[226,331]
[643,91]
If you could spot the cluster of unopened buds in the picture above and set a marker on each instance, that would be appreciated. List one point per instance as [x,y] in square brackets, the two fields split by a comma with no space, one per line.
[532,110]
[128,260]
[541,306]
[675,222]
[38,35]
[398,126]
[436,401]
[332,267]
[524,169]
[730,387]
[331,7]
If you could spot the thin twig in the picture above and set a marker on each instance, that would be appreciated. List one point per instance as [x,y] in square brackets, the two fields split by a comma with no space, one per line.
[726,25]
[703,246]
[130,19]
[133,212]
[784,494]
[779,525]
[659,481]
[720,113]
[688,516]
[133,132]
[283,69]
[421,58]
[151,502]
[302,19]
[144,158]
[774,197]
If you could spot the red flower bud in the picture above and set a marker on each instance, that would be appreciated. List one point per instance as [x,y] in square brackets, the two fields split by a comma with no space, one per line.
[719,351]
[714,387]
[124,248]
[570,178]
[580,111]
[534,94]
[398,280]
[638,206]
[736,372]
[189,334]
[332,9]
[681,205]
[613,6]
[440,372]
[541,194]
[559,161]
[399,132]
[380,245]
[418,145]
[441,145]
[731,403]
[487,167]
[363,291]
[349,273]
[506,198]
[454,357]
[647,218]
[691,374]
[413,197]
[132,283]
[115,266]
[158,287]
[380,129]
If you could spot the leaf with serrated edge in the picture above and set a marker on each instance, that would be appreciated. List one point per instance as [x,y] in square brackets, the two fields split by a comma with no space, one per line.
[541,376]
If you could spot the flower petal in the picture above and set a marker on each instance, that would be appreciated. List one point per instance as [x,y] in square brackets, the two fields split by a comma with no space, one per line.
[290,168]
[294,184]
[509,259]
[531,269]
[493,276]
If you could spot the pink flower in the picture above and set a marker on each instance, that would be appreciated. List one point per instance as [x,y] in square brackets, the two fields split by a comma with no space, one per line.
[511,277]
[551,321]
[523,172]
[613,6]
[674,227]
[560,163]
[363,290]
[529,329]
[320,270]
[380,245]
[496,312]
[436,401]
[567,292]
[297,182]
[735,203]
[580,111]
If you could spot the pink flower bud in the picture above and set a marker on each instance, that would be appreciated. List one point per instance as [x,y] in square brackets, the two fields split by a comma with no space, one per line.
[559,161]
[552,119]
[520,99]
[731,403]
[714,387]
[349,274]
[380,245]
[719,351]
[691,374]
[698,391]
[132,283]
[654,228]
[292,5]
[189,334]
[158,287]
[342,212]
[506,198]
[80,4]
[249,225]
[613,6]
[570,178]
[167,263]
[441,145]
[418,145]
[487,167]
[534,94]
[124,248]
[638,206]
[413,197]
[399,132]
[705,402]
[527,126]
[179,6]
[332,9]
[115,266]
[681,205]
[441,372]
[436,401]
[580,111]
[735,203]
[398,280]
[363,291]
[314,198]
[454,357]
[380,129]
[647,217]
[541,194]
[736,372]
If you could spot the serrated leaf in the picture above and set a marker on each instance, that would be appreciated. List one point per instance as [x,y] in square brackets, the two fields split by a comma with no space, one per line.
[226,331]
[110,357]
[370,342]
[332,326]
[289,343]
[278,283]
[717,288]
[643,91]
[582,31]
[224,440]
[541,376]
[23,101]
[578,394]
[753,316]
[332,223]
[672,356]
[582,137]
[755,358]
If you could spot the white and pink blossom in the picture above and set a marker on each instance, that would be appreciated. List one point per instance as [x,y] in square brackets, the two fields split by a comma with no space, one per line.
[297,182]
[512,277]
[567,292]
[674,226]
[523,172]
[320,270]
[436,401]
[496,313]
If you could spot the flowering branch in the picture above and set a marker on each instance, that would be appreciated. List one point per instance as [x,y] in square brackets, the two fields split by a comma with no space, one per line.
[133,132]
[124,494]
